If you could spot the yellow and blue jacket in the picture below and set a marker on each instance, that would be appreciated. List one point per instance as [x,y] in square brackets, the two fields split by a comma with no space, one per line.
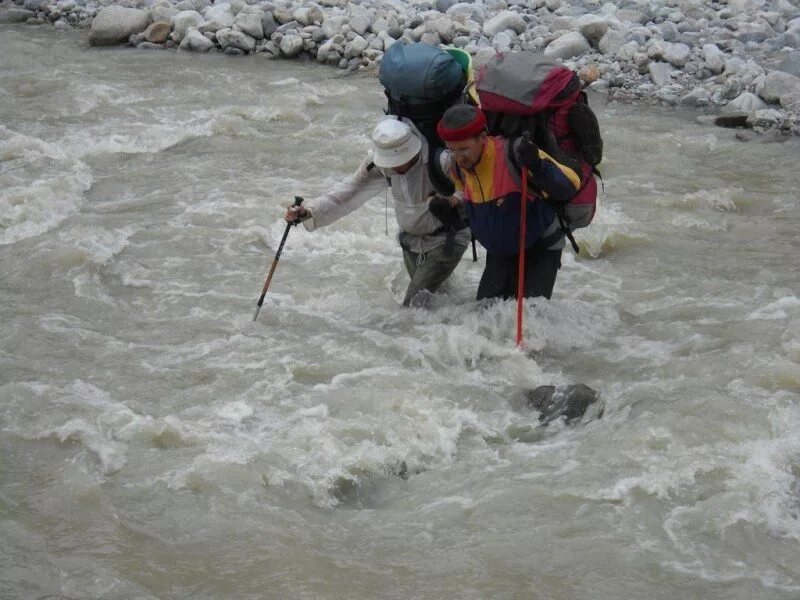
[492,190]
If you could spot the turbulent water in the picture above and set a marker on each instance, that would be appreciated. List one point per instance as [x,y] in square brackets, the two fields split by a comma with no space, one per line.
[156,443]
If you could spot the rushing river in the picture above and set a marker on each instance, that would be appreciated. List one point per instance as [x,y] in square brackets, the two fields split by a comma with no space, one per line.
[155,443]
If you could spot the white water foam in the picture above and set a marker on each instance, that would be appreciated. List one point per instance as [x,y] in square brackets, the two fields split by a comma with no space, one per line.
[41,185]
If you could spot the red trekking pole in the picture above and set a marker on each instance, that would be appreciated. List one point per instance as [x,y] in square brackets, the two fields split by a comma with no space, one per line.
[523,214]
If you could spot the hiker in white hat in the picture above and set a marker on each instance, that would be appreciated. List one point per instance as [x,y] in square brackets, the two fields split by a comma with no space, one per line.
[431,248]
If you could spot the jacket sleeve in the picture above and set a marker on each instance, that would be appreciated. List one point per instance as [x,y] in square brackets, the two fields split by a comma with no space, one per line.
[349,195]
[554,180]
[448,165]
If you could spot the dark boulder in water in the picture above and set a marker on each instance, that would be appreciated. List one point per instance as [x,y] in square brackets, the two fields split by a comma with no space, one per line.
[568,401]
[732,120]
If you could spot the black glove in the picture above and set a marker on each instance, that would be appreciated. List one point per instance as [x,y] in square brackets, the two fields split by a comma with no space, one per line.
[526,153]
[441,209]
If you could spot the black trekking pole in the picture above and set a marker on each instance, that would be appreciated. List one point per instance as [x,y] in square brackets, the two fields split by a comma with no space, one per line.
[297,202]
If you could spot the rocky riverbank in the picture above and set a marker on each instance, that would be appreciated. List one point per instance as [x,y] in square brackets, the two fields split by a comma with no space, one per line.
[736,58]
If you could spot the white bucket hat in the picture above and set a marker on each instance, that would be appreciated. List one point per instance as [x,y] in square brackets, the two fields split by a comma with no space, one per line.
[394,144]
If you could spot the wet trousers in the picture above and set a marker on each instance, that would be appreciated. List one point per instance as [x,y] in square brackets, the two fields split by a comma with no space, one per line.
[428,271]
[499,279]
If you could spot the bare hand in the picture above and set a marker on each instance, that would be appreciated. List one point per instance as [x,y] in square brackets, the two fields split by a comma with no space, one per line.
[296,214]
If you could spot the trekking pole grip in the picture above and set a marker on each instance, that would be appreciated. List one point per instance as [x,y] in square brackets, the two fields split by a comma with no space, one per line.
[298,200]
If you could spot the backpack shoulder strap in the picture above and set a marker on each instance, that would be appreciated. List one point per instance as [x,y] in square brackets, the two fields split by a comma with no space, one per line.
[440,180]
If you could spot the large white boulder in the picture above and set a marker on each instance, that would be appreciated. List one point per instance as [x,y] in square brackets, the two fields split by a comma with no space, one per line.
[502,21]
[568,45]
[115,24]
[592,27]
[778,84]
[184,21]
[219,16]
[233,38]
[251,24]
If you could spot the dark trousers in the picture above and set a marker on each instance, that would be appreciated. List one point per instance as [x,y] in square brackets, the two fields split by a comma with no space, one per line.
[499,279]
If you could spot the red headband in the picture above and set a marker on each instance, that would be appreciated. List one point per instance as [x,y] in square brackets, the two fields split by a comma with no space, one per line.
[469,130]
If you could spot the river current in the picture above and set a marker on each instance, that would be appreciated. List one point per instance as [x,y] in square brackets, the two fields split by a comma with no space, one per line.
[155,443]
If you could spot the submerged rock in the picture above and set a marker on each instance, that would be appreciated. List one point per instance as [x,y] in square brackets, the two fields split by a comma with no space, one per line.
[732,120]
[568,401]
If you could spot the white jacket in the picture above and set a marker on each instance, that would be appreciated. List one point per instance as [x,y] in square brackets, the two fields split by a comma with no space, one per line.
[410,191]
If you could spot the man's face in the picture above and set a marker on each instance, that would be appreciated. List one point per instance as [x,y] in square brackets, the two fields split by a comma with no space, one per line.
[467,153]
[406,166]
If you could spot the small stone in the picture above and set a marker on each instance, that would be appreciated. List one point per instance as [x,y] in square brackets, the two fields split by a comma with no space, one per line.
[269,25]
[765,118]
[291,45]
[282,15]
[677,54]
[395,32]
[444,5]
[251,23]
[660,72]
[588,74]
[157,33]
[592,27]
[697,97]
[149,46]
[234,38]
[714,58]
[445,29]
[162,13]
[333,25]
[183,21]
[628,51]
[307,15]
[745,103]
[361,22]
[791,102]
[777,84]
[355,47]
[611,42]
[430,38]
[136,39]
[502,21]
[218,16]
[194,41]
